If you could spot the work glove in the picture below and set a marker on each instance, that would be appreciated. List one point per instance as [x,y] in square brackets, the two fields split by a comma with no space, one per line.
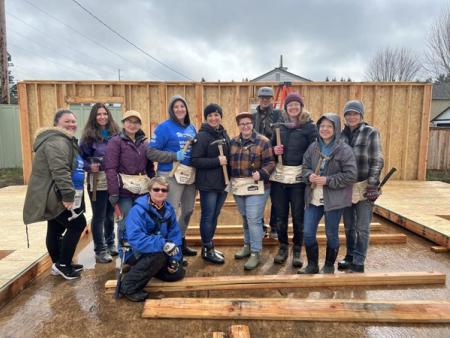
[170,249]
[372,193]
[180,155]
[278,150]
[113,199]
[173,266]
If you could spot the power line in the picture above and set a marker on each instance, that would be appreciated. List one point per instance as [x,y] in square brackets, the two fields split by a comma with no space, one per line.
[98,44]
[131,43]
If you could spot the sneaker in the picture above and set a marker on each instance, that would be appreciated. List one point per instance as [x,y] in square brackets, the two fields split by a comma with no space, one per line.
[282,255]
[112,249]
[66,271]
[252,262]
[76,267]
[243,253]
[103,257]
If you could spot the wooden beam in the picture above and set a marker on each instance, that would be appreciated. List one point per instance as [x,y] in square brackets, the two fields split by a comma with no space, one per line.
[424,133]
[25,137]
[94,99]
[238,240]
[219,335]
[439,249]
[245,282]
[239,331]
[300,309]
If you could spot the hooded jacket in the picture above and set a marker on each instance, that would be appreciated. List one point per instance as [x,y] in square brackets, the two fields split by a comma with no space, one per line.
[263,118]
[340,169]
[170,137]
[205,158]
[146,230]
[51,176]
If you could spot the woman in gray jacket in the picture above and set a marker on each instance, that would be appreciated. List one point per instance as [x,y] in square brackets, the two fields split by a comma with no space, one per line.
[329,170]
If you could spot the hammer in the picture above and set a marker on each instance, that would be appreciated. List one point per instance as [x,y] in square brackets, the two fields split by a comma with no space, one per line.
[185,148]
[277,126]
[220,144]
[319,164]
[74,215]
[95,160]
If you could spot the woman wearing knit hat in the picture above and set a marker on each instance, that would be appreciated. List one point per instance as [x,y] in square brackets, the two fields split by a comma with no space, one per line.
[297,132]
[210,180]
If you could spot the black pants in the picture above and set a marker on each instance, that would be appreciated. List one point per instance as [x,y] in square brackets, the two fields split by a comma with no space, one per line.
[144,269]
[61,248]
[283,196]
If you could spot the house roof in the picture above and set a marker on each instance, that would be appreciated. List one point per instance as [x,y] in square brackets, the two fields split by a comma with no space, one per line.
[282,70]
[441,91]
[443,115]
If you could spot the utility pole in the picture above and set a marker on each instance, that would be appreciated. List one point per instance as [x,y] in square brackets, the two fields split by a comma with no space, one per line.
[119,73]
[4,81]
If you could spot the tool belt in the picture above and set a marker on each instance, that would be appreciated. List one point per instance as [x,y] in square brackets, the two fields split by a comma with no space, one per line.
[246,186]
[287,174]
[317,196]
[101,181]
[359,192]
[136,184]
[184,174]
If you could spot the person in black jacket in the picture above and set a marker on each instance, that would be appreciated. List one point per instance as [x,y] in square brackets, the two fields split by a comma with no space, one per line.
[288,189]
[210,178]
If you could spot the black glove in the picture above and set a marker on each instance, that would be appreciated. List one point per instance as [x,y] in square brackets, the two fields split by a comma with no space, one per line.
[170,249]
[372,193]
[173,266]
[113,199]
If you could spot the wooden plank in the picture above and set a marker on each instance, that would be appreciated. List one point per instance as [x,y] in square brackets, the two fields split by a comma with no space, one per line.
[25,137]
[439,249]
[239,331]
[93,99]
[238,240]
[245,282]
[299,310]
[219,335]
[424,133]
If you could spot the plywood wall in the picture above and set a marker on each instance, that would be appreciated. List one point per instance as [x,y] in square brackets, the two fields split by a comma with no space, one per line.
[399,110]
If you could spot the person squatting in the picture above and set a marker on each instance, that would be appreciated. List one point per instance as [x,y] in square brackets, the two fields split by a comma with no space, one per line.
[310,170]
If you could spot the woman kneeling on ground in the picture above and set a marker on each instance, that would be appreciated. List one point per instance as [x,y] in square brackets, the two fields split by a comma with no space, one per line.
[152,231]
[329,169]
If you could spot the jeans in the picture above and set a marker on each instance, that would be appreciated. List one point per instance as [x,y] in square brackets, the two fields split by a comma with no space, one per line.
[283,196]
[313,214]
[102,225]
[357,219]
[211,203]
[125,204]
[252,209]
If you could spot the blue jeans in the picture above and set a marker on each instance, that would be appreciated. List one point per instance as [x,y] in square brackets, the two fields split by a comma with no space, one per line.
[102,225]
[252,210]
[211,203]
[313,214]
[125,204]
[357,220]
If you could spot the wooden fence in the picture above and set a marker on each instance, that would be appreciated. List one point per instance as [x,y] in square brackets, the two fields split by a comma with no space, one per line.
[399,110]
[439,149]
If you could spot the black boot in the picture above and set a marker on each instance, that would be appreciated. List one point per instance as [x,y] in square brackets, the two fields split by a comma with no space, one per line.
[312,252]
[282,254]
[187,251]
[210,255]
[329,260]
[345,263]
[296,260]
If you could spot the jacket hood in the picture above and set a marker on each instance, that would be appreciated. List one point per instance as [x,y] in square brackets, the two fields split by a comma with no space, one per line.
[187,120]
[142,201]
[334,118]
[140,135]
[305,117]
[44,134]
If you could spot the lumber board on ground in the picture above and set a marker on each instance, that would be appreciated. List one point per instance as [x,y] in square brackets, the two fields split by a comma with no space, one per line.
[439,249]
[238,239]
[219,335]
[292,281]
[239,331]
[299,310]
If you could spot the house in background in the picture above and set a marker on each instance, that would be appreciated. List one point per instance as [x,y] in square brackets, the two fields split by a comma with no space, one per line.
[440,105]
[280,74]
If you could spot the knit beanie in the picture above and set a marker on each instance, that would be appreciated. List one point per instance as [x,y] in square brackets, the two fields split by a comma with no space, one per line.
[354,105]
[212,108]
[291,97]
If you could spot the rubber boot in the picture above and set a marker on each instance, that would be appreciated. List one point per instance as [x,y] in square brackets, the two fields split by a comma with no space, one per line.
[210,255]
[345,263]
[356,268]
[312,252]
[330,258]
[282,255]
[187,251]
[296,260]
[243,253]
[252,262]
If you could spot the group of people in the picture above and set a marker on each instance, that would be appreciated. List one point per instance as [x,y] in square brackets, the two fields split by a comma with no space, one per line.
[311,169]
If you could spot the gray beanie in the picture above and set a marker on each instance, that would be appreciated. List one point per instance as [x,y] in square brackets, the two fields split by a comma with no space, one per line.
[354,105]
[265,91]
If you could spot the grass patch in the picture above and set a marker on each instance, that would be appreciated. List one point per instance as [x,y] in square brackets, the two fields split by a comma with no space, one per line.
[438,175]
[11,176]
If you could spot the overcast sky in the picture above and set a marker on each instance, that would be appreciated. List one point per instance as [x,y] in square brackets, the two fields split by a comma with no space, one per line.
[226,40]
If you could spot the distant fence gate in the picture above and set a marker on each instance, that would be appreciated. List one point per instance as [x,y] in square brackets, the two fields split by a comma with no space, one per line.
[399,110]
[439,149]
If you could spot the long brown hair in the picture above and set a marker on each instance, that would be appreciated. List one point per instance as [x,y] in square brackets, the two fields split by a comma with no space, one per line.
[92,131]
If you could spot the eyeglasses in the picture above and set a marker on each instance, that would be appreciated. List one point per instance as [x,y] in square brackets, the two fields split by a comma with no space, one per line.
[265,97]
[133,121]
[160,189]
[325,127]
[245,124]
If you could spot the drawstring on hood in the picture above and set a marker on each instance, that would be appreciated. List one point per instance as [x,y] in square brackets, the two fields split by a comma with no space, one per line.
[187,120]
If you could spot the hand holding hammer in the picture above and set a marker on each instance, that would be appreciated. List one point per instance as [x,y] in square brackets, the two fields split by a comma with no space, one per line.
[220,144]
[184,150]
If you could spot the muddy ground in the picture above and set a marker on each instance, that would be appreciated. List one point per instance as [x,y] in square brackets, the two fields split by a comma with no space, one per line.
[53,307]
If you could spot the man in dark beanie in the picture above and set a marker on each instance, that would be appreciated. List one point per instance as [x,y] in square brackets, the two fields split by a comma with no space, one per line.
[366,144]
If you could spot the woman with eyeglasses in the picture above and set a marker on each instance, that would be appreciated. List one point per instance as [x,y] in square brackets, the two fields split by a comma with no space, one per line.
[329,170]
[152,231]
[127,168]
[99,129]
[252,163]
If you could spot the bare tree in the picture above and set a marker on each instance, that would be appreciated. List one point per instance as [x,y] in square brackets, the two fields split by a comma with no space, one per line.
[393,64]
[437,55]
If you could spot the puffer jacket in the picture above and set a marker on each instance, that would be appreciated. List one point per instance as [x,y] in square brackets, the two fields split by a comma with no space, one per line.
[51,177]
[146,230]
[340,170]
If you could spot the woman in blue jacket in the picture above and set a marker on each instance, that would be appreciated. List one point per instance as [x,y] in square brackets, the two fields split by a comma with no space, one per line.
[152,231]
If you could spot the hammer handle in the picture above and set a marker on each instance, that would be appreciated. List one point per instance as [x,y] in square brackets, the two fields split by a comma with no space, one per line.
[317,171]
[278,136]
[224,166]
[94,186]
